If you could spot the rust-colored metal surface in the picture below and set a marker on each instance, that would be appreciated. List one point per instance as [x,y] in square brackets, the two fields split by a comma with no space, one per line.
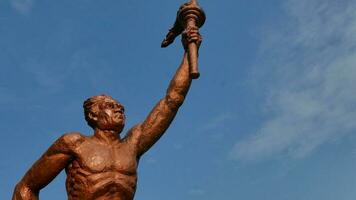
[104,166]
[189,17]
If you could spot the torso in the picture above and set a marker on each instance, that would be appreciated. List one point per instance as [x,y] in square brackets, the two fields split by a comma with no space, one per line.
[102,171]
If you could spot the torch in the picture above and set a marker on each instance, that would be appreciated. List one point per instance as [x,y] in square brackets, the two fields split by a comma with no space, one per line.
[190,15]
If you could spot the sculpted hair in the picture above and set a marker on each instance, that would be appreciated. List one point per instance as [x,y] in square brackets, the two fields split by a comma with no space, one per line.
[92,105]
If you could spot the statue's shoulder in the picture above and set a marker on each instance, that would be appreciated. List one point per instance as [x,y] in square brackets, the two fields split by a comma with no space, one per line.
[72,139]
[133,135]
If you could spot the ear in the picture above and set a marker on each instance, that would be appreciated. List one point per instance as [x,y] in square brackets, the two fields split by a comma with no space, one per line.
[93,116]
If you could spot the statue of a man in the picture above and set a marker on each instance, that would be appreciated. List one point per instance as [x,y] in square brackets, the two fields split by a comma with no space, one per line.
[104,166]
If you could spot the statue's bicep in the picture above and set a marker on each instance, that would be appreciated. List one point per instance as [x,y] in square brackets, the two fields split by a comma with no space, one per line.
[52,162]
[45,169]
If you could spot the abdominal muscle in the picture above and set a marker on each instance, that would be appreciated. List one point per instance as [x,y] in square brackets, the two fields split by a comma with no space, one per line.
[81,184]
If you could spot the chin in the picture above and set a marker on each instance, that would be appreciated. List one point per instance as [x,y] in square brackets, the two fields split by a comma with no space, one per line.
[112,127]
[119,128]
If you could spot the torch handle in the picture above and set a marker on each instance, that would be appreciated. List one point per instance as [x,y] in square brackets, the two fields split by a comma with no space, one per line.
[193,53]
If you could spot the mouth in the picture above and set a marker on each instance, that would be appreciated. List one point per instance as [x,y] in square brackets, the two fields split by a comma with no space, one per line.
[120,118]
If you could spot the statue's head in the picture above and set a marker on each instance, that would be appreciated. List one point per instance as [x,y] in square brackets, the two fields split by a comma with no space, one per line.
[105,113]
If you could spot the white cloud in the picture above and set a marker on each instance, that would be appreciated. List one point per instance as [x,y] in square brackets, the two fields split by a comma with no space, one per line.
[312,98]
[22,6]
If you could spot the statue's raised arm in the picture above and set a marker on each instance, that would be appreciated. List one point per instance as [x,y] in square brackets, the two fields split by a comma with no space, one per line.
[145,134]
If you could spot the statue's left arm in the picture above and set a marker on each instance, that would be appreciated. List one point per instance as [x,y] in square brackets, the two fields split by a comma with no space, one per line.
[145,134]
[44,170]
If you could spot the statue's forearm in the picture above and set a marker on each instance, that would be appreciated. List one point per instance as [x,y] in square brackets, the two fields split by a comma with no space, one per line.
[24,192]
[180,84]
[161,116]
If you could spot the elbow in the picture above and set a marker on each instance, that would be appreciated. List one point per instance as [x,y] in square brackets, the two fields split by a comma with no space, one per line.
[24,192]
[174,100]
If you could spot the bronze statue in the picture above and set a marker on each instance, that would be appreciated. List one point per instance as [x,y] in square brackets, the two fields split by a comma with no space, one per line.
[103,166]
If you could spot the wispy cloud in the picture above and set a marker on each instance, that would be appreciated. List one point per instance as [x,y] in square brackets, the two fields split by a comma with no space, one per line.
[312,99]
[197,192]
[50,75]
[22,6]
[216,122]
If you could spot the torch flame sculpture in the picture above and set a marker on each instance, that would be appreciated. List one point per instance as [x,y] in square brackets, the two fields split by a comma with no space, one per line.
[189,15]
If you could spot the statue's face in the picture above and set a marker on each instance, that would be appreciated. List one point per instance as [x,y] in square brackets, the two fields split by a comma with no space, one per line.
[110,116]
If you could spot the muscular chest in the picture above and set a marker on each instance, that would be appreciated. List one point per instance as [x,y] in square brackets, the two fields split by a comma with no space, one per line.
[102,158]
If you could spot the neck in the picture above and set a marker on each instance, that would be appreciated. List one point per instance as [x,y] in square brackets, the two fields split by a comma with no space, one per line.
[107,136]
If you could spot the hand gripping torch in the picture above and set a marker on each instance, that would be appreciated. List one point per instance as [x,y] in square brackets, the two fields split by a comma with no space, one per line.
[189,15]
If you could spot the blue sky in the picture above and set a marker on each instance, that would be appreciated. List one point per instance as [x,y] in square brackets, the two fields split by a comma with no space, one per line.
[272,116]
